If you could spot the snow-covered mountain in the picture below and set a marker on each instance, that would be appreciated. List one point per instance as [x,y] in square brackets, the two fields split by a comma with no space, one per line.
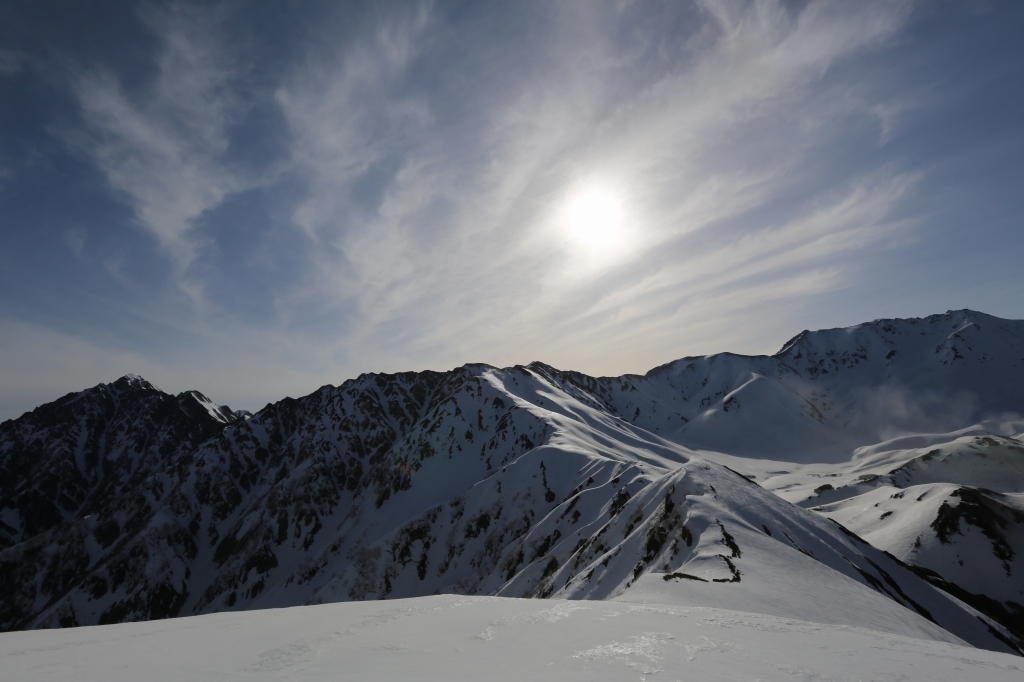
[828,392]
[953,508]
[67,459]
[530,481]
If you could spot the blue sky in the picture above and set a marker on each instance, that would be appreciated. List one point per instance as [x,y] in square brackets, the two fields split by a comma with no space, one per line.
[256,199]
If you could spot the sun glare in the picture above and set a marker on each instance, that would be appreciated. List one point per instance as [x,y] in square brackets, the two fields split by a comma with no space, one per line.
[594,220]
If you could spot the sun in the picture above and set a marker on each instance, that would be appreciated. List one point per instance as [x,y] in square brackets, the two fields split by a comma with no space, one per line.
[594,219]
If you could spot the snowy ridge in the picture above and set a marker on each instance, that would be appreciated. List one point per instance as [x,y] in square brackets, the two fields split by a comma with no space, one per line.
[527,481]
[953,509]
[829,392]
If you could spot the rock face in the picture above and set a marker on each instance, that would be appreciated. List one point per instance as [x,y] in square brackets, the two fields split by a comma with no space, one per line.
[124,503]
[69,458]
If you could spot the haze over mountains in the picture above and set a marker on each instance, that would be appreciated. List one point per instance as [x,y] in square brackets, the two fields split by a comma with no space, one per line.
[870,477]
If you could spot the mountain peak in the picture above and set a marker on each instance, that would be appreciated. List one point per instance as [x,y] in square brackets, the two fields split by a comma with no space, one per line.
[533,481]
[132,380]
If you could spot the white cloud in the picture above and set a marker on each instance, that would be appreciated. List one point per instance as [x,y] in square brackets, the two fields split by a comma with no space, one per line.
[458,259]
[429,231]
[163,148]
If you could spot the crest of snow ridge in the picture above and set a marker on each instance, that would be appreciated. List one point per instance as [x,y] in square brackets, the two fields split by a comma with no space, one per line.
[525,481]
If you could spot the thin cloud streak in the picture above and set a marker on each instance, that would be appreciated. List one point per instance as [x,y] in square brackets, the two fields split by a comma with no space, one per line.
[164,148]
[502,291]
[408,210]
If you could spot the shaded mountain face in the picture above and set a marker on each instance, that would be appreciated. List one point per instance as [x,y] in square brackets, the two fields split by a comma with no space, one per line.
[70,458]
[524,481]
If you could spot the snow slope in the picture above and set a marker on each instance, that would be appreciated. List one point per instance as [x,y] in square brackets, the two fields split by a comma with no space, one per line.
[953,508]
[829,392]
[529,481]
[472,638]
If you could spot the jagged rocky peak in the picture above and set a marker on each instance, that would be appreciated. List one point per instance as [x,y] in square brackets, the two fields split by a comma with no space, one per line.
[523,481]
[67,459]
[134,381]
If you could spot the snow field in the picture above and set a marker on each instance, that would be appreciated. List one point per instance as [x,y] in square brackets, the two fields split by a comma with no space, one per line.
[473,638]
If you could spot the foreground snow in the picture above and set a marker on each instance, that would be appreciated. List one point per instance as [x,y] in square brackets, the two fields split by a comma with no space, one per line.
[451,638]
[725,482]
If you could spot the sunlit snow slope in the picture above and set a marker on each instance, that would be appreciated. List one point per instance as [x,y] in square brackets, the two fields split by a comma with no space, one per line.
[531,482]
[485,638]
[952,508]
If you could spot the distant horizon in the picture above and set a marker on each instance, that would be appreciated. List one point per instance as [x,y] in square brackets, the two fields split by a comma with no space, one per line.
[254,409]
[257,200]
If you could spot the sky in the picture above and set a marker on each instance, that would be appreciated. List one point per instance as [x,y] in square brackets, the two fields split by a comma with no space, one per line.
[257,199]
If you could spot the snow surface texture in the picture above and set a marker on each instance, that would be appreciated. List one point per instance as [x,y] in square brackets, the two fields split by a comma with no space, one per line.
[475,638]
[529,481]
[952,508]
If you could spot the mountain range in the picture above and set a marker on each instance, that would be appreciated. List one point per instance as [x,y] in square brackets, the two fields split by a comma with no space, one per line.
[871,476]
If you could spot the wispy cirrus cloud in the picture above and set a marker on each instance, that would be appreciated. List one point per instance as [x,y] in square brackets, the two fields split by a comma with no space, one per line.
[163,147]
[458,247]
[356,187]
